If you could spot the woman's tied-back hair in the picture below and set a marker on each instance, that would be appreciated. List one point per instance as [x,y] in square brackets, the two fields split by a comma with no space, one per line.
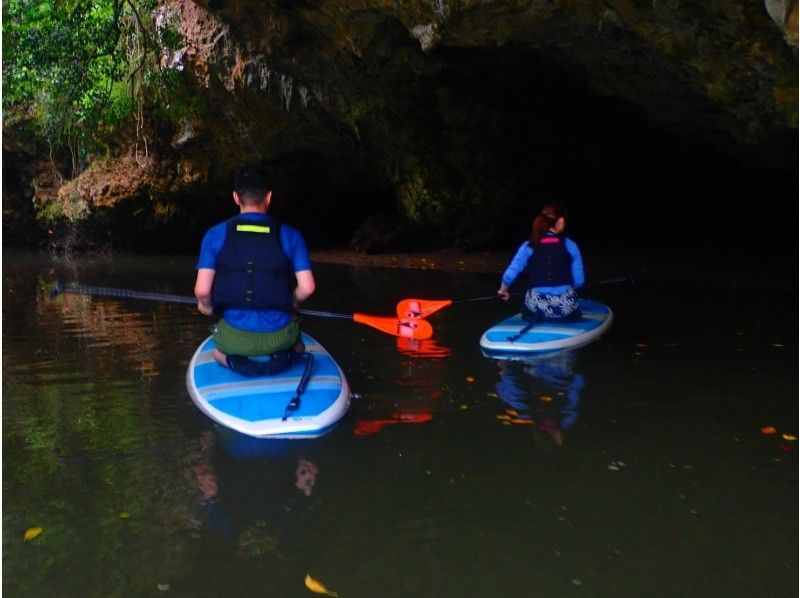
[551,212]
[250,184]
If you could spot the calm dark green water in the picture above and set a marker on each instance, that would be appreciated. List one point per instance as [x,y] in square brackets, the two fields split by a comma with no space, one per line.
[633,466]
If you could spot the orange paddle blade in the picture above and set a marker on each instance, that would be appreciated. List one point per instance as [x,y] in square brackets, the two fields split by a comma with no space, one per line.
[417,329]
[412,309]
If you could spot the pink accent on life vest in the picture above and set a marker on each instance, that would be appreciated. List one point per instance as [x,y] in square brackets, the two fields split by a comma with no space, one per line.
[548,240]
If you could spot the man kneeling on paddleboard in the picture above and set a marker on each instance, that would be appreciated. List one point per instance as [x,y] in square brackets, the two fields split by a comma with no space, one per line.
[244,273]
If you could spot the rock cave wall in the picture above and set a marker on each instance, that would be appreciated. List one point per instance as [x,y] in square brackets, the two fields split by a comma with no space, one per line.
[392,125]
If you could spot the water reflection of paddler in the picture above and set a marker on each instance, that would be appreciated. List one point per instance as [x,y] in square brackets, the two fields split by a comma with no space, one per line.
[283,479]
[205,477]
[542,392]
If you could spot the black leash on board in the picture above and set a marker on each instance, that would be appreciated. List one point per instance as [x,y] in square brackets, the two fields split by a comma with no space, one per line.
[294,404]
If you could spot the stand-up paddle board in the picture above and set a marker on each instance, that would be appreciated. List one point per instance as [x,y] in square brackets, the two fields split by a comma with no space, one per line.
[258,406]
[512,337]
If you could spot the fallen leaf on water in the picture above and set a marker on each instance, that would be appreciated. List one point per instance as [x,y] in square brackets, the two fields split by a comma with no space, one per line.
[545,398]
[518,420]
[512,412]
[463,407]
[32,532]
[470,379]
[768,430]
[503,417]
[492,395]
[789,437]
[124,515]
[315,586]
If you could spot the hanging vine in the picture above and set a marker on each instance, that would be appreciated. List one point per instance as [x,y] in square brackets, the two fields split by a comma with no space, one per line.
[81,71]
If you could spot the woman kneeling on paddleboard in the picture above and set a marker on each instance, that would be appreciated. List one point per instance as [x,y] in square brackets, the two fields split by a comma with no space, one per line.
[554,267]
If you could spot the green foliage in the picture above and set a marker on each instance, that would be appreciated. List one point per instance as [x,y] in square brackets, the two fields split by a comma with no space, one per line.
[84,69]
[62,57]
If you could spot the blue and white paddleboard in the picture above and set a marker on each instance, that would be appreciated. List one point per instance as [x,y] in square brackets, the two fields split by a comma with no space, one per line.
[546,337]
[256,406]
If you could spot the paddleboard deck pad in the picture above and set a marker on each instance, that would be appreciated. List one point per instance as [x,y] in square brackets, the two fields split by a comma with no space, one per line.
[256,406]
[547,336]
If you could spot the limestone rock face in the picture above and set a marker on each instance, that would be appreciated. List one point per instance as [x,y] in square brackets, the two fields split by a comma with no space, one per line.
[443,109]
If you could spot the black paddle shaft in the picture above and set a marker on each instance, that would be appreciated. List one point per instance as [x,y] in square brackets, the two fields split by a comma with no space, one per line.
[627,278]
[58,288]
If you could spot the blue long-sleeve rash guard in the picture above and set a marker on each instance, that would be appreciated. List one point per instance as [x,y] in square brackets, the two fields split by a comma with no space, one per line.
[524,253]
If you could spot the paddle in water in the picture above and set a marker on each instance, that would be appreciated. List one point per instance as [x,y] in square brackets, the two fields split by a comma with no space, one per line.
[406,327]
[409,309]
[422,308]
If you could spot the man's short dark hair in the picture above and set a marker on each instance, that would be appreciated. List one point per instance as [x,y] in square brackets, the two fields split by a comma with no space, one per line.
[250,184]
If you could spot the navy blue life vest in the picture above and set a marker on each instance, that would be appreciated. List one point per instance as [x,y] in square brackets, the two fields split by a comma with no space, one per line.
[551,264]
[252,271]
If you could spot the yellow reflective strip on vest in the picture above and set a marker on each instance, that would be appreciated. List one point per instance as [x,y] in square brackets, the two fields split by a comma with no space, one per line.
[251,228]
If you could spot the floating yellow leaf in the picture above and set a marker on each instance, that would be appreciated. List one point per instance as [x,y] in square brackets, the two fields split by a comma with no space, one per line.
[512,412]
[768,430]
[124,515]
[545,398]
[492,395]
[518,420]
[503,417]
[315,586]
[470,379]
[789,437]
[32,532]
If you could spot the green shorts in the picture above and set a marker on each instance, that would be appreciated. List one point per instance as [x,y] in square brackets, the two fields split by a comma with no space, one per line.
[233,341]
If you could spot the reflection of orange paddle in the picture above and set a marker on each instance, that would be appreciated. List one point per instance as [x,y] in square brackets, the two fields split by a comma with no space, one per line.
[365,427]
[422,348]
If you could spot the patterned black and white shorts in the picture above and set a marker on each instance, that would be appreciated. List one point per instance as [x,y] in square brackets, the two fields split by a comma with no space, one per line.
[538,306]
